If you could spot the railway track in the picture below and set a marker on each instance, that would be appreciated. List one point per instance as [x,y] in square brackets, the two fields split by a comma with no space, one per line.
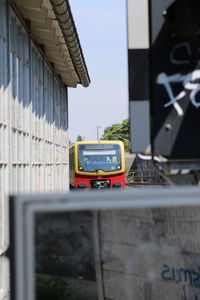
[141,185]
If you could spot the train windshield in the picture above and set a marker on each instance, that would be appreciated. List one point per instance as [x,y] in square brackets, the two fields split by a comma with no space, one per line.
[93,157]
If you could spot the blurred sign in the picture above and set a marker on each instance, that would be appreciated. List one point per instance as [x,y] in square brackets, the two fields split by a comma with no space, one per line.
[106,245]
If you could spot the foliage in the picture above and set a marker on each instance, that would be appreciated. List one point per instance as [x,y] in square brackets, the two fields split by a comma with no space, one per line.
[79,138]
[119,132]
[52,288]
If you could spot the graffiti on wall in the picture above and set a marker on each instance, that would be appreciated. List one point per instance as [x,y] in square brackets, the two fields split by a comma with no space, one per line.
[185,277]
[189,81]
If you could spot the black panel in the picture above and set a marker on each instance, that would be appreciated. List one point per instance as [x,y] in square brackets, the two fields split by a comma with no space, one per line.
[175,70]
[138,74]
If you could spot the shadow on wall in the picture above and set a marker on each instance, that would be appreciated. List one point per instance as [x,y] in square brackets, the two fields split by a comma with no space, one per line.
[33,84]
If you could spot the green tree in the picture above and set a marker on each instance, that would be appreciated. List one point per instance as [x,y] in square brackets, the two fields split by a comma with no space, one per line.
[52,288]
[119,131]
[79,138]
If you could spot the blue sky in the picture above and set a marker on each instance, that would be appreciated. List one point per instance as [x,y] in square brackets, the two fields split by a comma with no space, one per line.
[102,30]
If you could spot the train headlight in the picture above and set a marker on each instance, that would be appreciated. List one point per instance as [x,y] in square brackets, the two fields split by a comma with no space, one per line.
[117,184]
[82,184]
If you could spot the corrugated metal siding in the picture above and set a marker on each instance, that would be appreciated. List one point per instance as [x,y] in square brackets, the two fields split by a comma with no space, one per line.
[38,108]
[64,139]
[37,120]
[33,123]
[4,149]
[4,126]
[20,107]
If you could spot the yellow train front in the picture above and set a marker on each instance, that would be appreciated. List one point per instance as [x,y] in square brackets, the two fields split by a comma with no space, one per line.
[97,164]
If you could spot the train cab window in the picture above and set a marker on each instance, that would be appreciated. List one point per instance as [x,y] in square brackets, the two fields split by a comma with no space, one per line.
[93,157]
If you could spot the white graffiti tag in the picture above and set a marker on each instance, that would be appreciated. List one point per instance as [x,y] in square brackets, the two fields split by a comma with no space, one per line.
[188,84]
[187,52]
[188,80]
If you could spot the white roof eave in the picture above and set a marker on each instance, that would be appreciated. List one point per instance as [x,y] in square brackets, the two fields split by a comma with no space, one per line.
[47,31]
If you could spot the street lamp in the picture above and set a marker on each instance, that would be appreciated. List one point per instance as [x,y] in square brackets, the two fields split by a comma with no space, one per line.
[98,126]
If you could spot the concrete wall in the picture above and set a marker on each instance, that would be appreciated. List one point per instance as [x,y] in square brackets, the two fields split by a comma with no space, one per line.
[151,254]
[33,122]
[140,254]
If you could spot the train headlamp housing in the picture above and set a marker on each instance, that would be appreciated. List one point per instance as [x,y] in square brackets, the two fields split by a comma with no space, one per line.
[82,185]
[117,184]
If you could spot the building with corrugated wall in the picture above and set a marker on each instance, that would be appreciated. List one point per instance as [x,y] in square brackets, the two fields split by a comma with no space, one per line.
[40,58]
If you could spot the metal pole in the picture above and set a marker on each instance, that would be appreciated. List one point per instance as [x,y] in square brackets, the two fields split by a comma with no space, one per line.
[98,131]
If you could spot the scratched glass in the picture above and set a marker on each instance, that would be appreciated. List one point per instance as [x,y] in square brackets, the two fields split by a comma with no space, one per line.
[65,267]
[147,254]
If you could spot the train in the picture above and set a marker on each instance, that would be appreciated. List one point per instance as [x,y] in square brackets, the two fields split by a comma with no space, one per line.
[97,164]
